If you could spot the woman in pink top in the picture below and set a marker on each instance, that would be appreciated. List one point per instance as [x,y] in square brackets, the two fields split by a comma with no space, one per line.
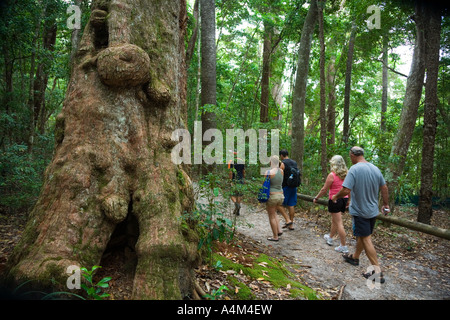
[334,184]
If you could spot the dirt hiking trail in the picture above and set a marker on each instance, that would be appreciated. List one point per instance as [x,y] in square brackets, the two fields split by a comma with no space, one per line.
[424,275]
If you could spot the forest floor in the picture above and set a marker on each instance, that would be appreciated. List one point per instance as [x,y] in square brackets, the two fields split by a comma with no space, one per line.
[415,265]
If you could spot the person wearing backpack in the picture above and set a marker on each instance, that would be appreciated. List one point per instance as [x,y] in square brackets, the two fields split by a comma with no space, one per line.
[291,180]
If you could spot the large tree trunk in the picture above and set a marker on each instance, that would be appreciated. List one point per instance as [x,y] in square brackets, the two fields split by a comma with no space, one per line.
[112,160]
[410,108]
[432,34]
[299,95]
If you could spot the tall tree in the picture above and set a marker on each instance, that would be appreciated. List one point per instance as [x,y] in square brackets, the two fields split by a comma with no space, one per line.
[43,67]
[323,116]
[299,93]
[410,107]
[111,166]
[348,84]
[208,63]
[384,95]
[432,36]
[331,109]
[265,92]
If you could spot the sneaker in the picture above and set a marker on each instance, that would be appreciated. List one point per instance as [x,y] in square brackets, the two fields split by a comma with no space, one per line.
[328,239]
[349,258]
[342,249]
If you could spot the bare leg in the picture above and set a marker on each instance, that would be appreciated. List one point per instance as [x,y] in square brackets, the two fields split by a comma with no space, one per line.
[359,248]
[370,250]
[336,221]
[283,213]
[291,213]
[333,229]
[273,220]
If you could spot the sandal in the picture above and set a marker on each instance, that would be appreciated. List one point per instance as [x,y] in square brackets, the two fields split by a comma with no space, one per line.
[377,275]
[272,239]
[287,225]
[349,258]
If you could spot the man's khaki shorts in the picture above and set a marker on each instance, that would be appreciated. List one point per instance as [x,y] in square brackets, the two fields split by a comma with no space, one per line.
[275,200]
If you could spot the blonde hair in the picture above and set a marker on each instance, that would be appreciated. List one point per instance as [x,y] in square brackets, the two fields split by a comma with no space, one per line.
[338,166]
[274,161]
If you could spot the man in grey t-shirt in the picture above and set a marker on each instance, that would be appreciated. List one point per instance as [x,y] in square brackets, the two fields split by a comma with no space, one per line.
[364,181]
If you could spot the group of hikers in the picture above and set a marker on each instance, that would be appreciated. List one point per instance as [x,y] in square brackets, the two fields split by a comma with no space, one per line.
[355,189]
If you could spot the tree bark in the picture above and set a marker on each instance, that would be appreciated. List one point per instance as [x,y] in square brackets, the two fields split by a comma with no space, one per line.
[112,163]
[432,34]
[265,92]
[208,62]
[348,84]
[410,108]
[299,95]
[323,116]
[331,110]
[384,95]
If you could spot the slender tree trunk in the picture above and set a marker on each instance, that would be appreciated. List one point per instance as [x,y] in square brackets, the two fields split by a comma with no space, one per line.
[42,71]
[34,46]
[193,39]
[323,116]
[298,99]
[75,37]
[208,60]
[410,108]
[265,92]
[7,97]
[384,95]
[348,84]
[432,34]
[331,110]
[208,65]
[112,162]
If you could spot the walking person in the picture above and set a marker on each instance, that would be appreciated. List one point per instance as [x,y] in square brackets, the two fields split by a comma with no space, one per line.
[276,197]
[289,191]
[333,185]
[236,174]
[364,181]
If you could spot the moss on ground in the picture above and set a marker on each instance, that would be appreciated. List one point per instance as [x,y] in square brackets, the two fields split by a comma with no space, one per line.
[267,269]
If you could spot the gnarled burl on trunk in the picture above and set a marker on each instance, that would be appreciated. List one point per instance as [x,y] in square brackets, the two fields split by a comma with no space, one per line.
[126,95]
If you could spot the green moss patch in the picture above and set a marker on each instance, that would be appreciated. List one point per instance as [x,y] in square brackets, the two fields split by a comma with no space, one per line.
[263,273]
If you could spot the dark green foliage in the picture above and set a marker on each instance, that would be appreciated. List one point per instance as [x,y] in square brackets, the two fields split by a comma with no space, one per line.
[240,31]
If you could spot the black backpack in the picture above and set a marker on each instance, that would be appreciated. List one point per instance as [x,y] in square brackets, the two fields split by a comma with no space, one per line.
[294,179]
